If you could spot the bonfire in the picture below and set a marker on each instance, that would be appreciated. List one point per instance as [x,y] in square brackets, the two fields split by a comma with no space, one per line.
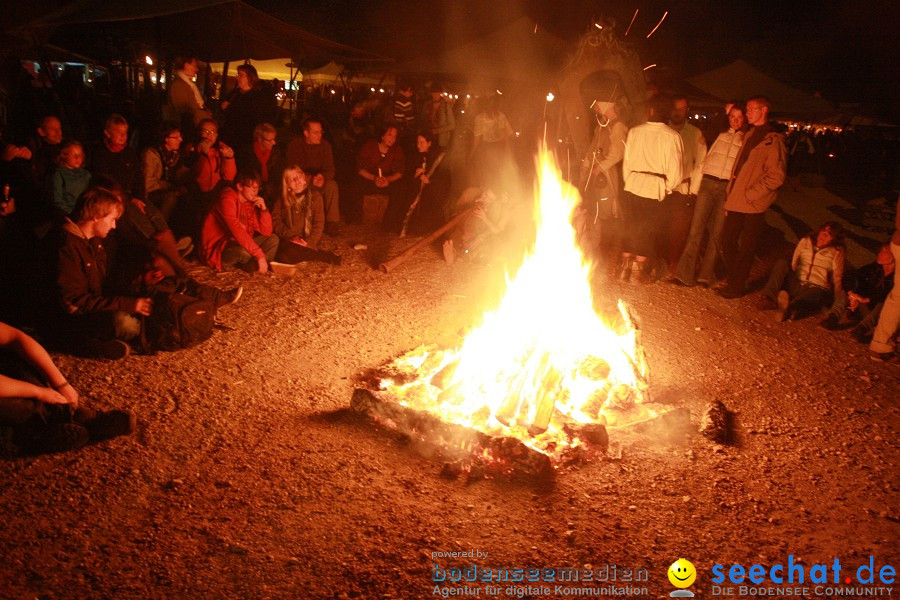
[543,367]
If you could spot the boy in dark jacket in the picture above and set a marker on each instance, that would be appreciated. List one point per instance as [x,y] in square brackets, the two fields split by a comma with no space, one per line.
[93,316]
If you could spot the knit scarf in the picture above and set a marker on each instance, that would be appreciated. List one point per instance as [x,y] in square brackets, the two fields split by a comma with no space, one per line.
[300,203]
[169,159]
[262,155]
[194,89]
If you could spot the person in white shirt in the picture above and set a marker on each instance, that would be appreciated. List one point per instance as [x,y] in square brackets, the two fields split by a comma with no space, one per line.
[680,203]
[709,211]
[652,168]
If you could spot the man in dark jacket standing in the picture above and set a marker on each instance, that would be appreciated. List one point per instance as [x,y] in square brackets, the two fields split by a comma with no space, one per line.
[759,171]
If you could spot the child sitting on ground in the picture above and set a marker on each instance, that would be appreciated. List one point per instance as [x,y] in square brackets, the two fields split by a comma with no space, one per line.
[70,179]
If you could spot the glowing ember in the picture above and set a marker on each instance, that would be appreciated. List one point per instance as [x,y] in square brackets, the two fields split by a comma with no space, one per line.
[543,364]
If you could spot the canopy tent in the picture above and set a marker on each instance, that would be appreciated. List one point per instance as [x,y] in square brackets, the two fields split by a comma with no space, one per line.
[850,118]
[520,51]
[330,74]
[741,80]
[213,30]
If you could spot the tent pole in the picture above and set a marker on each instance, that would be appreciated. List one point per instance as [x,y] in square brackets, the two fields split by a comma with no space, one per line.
[225,66]
[234,20]
[159,55]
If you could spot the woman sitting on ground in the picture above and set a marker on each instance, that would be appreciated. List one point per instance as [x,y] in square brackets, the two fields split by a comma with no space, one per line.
[298,219]
[429,182]
[164,171]
[379,168]
[814,274]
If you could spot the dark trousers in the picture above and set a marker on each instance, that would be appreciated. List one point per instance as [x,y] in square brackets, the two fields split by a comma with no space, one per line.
[76,332]
[740,237]
[805,298]
[644,221]
[235,254]
[289,252]
[679,213]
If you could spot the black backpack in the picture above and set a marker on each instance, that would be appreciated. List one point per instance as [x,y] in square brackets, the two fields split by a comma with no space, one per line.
[178,321]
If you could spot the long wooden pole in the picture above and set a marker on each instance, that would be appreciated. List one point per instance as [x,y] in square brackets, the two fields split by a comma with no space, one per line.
[390,265]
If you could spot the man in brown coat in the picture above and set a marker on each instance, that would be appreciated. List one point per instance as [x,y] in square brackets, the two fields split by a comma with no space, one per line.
[185,104]
[759,171]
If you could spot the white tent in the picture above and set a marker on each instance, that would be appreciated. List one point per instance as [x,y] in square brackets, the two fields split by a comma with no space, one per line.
[329,74]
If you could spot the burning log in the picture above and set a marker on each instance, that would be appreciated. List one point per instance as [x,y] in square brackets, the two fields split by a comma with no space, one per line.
[716,423]
[416,423]
[497,455]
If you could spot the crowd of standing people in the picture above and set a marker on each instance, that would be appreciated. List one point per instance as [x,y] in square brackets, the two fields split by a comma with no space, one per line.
[691,214]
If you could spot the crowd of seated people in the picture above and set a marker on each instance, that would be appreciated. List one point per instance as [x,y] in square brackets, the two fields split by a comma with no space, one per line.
[257,199]
[105,226]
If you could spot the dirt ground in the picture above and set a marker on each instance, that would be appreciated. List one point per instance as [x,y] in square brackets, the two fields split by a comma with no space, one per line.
[248,476]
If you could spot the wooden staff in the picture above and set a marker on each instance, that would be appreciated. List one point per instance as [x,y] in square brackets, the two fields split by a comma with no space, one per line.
[415,203]
[388,266]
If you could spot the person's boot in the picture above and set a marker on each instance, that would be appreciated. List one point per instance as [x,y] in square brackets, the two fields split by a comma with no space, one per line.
[109,349]
[624,270]
[640,272]
[110,424]
[782,301]
[861,335]
[226,297]
[831,323]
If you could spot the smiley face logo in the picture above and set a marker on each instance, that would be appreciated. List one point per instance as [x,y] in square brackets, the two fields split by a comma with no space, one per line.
[682,573]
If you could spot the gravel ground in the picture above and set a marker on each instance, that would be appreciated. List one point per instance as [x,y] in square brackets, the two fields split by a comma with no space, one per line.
[248,477]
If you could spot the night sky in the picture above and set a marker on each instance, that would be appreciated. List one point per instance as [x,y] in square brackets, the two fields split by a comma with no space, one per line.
[847,51]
